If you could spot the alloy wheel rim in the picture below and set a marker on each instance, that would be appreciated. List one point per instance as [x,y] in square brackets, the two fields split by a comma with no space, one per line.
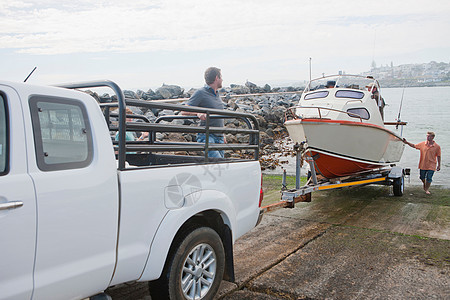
[199,271]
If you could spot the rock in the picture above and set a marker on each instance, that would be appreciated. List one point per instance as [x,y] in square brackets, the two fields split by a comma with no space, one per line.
[105,98]
[150,116]
[163,93]
[166,112]
[130,94]
[160,136]
[188,122]
[266,111]
[175,137]
[141,94]
[279,132]
[245,107]
[94,95]
[229,123]
[169,91]
[177,122]
[191,92]
[151,95]
[136,110]
[265,139]
[252,87]
[231,138]
[283,102]
[189,137]
[261,121]
[232,104]
[242,138]
[239,89]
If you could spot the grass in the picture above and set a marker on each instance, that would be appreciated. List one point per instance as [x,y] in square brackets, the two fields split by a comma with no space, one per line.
[272,187]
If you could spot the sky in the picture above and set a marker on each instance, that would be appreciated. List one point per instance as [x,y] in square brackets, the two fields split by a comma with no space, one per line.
[143,44]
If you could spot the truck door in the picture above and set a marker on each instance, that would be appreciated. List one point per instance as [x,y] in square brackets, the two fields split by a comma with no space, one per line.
[17,203]
[73,167]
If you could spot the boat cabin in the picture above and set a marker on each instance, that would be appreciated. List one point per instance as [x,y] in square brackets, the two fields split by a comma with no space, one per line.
[342,97]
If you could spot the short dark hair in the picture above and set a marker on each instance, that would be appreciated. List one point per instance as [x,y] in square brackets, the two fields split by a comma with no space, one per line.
[211,73]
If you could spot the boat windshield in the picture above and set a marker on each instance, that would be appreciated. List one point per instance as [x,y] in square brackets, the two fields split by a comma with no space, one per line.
[354,82]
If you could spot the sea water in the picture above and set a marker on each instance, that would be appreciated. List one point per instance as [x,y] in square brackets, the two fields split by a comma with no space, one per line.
[424,109]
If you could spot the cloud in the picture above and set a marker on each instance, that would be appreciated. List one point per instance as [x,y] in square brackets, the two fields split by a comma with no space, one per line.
[174,40]
[61,27]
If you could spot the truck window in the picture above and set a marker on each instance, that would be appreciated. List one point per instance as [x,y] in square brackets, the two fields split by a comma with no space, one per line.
[3,137]
[62,134]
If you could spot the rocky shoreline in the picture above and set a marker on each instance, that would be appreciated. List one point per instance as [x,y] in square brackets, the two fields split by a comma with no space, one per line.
[267,104]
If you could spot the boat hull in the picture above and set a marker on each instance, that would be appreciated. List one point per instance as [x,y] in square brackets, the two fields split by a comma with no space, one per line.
[342,148]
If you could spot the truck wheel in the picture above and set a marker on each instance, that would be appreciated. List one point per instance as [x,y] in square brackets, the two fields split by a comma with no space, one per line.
[399,186]
[195,268]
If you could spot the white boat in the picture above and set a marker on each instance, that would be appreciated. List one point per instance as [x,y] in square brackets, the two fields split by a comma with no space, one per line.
[340,121]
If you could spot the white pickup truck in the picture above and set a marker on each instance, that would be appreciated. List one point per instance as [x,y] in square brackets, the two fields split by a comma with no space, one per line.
[82,208]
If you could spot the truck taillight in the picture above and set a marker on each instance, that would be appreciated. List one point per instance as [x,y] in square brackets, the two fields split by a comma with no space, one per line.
[261,193]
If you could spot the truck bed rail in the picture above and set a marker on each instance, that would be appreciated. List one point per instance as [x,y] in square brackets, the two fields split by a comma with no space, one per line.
[116,118]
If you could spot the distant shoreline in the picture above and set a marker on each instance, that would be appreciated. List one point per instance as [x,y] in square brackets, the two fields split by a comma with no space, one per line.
[384,85]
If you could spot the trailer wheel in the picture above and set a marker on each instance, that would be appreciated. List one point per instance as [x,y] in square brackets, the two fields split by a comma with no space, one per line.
[399,186]
[195,268]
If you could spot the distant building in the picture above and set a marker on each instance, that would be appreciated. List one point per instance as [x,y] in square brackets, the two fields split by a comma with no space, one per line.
[432,73]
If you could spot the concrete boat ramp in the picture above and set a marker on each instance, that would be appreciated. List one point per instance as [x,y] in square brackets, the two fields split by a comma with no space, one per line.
[359,243]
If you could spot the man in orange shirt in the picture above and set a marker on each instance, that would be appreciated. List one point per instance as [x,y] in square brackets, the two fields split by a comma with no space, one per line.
[430,152]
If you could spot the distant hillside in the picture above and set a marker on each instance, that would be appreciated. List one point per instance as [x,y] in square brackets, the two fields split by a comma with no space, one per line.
[426,74]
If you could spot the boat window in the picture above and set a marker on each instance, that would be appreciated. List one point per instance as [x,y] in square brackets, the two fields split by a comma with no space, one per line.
[358,113]
[350,94]
[316,95]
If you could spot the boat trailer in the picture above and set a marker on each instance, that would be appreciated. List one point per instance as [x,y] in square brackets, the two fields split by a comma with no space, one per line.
[391,176]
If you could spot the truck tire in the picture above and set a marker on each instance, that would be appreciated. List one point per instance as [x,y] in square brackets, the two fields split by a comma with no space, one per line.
[194,269]
[399,186]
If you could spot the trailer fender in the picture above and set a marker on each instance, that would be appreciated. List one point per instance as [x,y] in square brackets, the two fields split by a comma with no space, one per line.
[396,172]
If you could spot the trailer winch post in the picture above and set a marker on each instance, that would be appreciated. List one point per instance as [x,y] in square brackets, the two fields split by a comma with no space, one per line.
[298,162]
[283,183]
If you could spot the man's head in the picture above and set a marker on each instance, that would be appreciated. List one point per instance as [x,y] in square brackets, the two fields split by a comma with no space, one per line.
[330,84]
[213,76]
[430,136]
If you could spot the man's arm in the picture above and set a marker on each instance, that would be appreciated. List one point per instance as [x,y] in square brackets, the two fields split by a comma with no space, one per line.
[201,116]
[438,168]
[408,143]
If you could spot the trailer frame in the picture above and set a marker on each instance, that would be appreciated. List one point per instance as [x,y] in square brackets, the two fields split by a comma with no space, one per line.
[391,175]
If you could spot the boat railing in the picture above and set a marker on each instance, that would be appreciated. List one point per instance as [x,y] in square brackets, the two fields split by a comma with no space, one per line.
[291,113]
[350,81]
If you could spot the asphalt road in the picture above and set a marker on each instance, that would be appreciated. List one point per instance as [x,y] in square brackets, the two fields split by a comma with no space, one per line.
[350,244]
